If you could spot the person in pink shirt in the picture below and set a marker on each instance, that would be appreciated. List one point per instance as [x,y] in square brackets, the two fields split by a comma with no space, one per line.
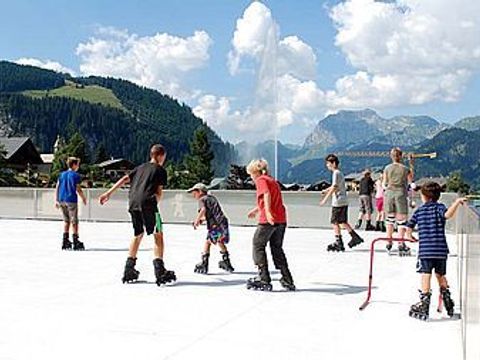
[379,199]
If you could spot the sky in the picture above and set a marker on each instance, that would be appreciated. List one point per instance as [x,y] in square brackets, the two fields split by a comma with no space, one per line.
[251,69]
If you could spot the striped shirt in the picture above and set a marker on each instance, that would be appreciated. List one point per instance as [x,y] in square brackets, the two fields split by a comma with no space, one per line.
[430,219]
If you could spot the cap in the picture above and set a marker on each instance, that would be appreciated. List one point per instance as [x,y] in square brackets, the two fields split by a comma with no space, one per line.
[200,187]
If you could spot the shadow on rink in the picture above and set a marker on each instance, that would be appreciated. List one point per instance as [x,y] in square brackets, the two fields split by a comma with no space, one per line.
[113,249]
[337,289]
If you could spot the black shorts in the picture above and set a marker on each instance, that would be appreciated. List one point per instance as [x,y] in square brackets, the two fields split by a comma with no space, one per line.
[339,215]
[148,220]
[425,266]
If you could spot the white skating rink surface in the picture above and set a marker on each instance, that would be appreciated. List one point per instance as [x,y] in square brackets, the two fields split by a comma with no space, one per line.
[72,305]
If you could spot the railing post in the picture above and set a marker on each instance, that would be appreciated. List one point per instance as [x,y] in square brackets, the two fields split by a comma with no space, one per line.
[35,203]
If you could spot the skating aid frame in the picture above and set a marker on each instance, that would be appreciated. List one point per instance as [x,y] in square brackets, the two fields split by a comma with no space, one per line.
[370,275]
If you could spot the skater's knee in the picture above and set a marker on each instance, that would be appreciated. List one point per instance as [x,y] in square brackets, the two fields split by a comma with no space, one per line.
[390,220]
[402,224]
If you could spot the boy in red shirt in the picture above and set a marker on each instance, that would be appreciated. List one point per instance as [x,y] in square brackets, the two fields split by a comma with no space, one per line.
[272,222]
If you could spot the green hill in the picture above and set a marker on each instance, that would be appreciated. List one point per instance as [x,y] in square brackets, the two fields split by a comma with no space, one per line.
[115,114]
[94,94]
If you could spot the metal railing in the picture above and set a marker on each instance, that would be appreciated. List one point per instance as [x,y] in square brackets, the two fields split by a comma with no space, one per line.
[303,211]
[468,238]
[176,206]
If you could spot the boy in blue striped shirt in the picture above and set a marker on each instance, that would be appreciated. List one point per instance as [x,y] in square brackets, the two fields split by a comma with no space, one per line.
[430,218]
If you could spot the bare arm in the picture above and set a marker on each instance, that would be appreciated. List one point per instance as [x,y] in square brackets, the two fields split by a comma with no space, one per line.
[56,196]
[82,195]
[200,217]
[329,193]
[159,193]
[252,213]
[454,207]
[268,208]
[106,196]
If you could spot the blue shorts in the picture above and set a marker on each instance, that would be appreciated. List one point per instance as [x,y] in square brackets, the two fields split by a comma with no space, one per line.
[218,234]
[426,266]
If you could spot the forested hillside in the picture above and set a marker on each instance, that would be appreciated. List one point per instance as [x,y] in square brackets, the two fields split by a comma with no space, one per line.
[147,116]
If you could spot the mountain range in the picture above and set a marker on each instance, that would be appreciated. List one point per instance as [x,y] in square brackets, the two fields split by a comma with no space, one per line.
[456,145]
[125,118]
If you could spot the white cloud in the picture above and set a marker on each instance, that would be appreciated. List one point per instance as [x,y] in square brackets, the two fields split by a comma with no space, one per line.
[159,61]
[406,52]
[296,58]
[45,64]
[254,32]
[403,52]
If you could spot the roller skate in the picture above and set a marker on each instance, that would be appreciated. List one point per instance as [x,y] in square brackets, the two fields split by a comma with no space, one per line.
[162,275]
[404,250]
[421,309]
[378,226]
[77,244]
[356,239]
[66,243]
[447,301]
[260,282]
[225,263]
[369,226]
[130,274]
[337,245]
[358,225]
[286,280]
[389,248]
[383,227]
[202,267]
[257,283]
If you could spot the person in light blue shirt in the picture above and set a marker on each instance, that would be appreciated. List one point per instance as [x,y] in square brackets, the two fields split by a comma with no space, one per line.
[66,199]
[430,219]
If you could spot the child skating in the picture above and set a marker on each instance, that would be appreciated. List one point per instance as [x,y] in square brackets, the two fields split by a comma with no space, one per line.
[430,218]
[379,201]
[339,218]
[209,209]
[146,186]
[396,178]
[367,186]
[272,222]
[66,199]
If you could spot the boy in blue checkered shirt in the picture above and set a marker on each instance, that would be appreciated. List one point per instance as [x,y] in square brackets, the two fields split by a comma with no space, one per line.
[430,218]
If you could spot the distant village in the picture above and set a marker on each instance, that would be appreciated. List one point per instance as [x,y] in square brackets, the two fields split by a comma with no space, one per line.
[32,169]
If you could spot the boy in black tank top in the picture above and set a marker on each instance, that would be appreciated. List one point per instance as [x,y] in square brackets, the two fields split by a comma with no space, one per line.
[146,186]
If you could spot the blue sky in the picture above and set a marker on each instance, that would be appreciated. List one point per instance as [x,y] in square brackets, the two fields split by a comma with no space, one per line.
[335,54]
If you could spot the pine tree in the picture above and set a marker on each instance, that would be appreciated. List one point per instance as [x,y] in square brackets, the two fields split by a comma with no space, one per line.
[456,183]
[75,147]
[101,154]
[199,162]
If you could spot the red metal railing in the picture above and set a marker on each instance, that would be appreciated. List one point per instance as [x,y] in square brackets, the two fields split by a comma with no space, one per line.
[370,275]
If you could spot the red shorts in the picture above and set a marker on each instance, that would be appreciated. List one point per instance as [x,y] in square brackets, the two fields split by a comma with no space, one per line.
[379,204]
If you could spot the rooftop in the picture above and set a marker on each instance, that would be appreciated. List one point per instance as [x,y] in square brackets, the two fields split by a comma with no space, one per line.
[72,304]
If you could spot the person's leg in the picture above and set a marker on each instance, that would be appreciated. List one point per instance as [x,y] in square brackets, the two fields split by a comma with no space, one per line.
[279,258]
[66,227]
[425,282]
[260,239]
[223,247]
[158,247]
[442,281]
[202,266]
[134,245]
[75,229]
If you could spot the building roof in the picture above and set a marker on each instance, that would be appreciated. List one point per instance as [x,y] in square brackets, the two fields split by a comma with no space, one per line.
[12,144]
[47,158]
[441,180]
[20,150]
[116,162]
